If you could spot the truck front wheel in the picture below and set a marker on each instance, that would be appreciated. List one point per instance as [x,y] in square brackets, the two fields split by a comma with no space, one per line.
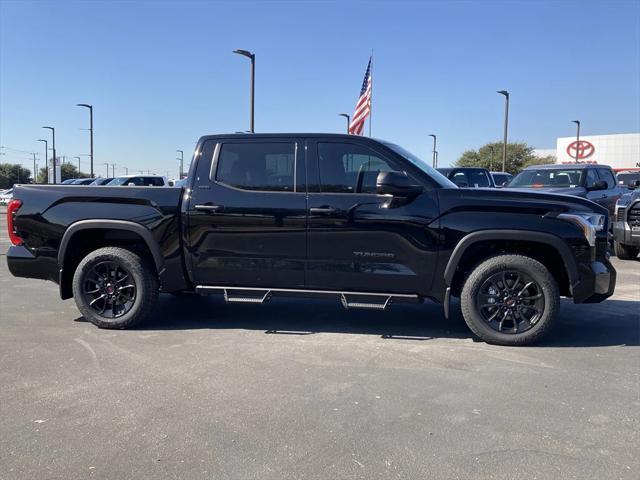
[625,252]
[510,300]
[115,288]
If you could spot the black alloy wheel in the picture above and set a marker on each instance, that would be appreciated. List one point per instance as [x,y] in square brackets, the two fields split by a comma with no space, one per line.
[109,289]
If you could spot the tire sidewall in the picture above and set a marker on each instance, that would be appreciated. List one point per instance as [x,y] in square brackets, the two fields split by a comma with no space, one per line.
[473,317]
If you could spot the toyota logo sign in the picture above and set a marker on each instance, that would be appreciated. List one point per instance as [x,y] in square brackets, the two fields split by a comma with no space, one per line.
[583,148]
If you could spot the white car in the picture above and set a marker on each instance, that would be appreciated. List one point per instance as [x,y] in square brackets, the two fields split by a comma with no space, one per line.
[139,181]
[5,196]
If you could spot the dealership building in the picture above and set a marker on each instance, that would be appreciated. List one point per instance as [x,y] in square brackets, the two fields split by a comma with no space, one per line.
[619,151]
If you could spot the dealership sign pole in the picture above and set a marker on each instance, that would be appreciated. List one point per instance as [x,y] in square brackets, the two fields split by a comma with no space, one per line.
[577,122]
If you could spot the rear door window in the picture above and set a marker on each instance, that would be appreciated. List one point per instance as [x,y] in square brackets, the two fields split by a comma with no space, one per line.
[259,166]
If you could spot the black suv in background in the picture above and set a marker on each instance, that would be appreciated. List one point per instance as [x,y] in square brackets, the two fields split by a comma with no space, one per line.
[593,182]
[469,177]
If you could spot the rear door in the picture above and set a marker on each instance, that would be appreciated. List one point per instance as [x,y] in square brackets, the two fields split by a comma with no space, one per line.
[358,240]
[247,213]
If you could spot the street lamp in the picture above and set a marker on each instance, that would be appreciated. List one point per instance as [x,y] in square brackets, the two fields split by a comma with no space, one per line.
[577,122]
[491,161]
[506,127]
[46,153]
[90,107]
[78,166]
[53,133]
[252,57]
[435,163]
[181,162]
[348,119]
[107,165]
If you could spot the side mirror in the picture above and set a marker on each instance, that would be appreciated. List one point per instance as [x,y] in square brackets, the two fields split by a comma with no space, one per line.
[598,185]
[131,184]
[633,185]
[396,184]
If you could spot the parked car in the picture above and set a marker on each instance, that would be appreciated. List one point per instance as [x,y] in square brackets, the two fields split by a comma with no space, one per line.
[501,179]
[5,196]
[591,181]
[626,227]
[629,178]
[469,177]
[139,181]
[101,181]
[321,215]
[68,181]
[82,181]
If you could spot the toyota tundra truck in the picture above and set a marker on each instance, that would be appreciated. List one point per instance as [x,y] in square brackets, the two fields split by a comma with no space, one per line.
[355,219]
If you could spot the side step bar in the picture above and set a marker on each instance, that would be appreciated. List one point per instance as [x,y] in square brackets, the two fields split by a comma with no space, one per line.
[349,300]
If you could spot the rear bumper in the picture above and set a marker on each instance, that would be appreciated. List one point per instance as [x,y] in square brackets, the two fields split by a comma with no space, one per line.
[23,263]
[597,282]
[623,234]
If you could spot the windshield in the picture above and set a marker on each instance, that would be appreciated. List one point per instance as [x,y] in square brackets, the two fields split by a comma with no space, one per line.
[627,178]
[432,172]
[548,178]
[119,181]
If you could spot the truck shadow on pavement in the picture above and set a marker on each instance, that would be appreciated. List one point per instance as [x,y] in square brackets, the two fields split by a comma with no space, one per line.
[614,322]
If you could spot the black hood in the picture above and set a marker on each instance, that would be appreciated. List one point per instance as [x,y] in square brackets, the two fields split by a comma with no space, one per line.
[503,199]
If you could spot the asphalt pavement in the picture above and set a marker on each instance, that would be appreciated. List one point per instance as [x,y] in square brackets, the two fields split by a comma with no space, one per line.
[304,389]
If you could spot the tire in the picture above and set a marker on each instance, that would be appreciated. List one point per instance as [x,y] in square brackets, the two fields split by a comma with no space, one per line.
[624,252]
[120,276]
[519,314]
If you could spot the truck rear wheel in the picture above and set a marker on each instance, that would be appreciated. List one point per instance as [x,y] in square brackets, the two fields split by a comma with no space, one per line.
[624,252]
[115,288]
[510,300]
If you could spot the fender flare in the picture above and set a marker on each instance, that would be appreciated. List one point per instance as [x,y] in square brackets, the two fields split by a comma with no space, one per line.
[106,224]
[538,237]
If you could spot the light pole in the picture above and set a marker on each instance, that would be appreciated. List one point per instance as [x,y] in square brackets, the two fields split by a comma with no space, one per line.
[506,128]
[90,107]
[46,153]
[491,161]
[107,165]
[252,57]
[181,162]
[34,168]
[78,166]
[435,164]
[348,119]
[577,122]
[53,133]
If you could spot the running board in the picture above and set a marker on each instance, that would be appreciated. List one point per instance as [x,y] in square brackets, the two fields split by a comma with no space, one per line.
[349,300]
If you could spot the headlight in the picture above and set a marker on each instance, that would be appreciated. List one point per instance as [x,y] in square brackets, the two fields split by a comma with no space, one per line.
[589,223]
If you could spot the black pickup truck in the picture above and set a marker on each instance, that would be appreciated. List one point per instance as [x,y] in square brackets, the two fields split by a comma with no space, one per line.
[339,216]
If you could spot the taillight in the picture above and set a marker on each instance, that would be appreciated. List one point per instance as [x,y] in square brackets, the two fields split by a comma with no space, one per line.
[12,208]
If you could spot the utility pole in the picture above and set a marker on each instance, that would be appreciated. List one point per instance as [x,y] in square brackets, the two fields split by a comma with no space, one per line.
[126,171]
[113,169]
[90,107]
[46,154]
[181,163]
[107,169]
[434,161]
[78,166]
[506,128]
[491,161]
[35,169]
[53,134]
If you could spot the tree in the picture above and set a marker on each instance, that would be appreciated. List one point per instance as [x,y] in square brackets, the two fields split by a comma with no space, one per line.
[11,174]
[519,155]
[67,171]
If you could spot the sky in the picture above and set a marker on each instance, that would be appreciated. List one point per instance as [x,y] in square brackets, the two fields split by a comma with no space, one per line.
[161,73]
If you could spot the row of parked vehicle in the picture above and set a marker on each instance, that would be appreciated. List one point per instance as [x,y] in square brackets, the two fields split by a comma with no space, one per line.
[125,180]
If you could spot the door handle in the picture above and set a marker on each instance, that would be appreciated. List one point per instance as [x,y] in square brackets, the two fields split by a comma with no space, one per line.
[322,210]
[209,208]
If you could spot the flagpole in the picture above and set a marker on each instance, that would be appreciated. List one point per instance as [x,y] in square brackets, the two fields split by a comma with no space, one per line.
[371,96]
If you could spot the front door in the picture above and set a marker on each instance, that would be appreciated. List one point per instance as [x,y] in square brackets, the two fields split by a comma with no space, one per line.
[247,214]
[359,240]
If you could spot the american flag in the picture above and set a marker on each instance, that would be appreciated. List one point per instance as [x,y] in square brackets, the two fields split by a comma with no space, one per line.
[363,107]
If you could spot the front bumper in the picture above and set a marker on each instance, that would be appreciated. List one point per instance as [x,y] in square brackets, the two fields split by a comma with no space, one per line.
[622,233]
[597,281]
